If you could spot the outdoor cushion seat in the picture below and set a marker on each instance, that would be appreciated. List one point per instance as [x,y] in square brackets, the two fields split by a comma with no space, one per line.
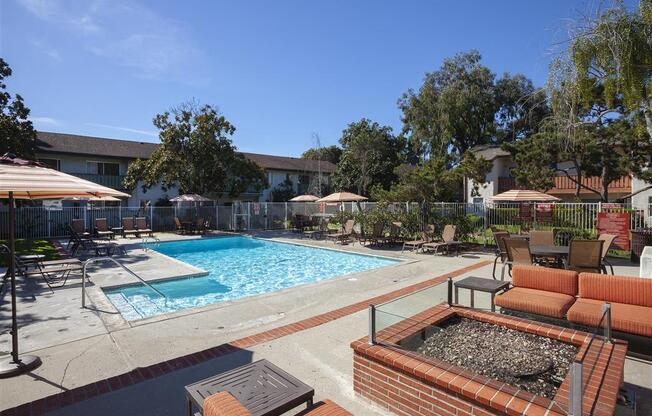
[544,278]
[632,319]
[539,302]
[224,404]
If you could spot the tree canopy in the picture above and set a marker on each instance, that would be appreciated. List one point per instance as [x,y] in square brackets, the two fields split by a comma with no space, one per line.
[329,153]
[370,153]
[17,134]
[197,156]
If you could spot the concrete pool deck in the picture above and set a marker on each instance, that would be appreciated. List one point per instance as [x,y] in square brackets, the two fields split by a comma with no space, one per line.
[78,348]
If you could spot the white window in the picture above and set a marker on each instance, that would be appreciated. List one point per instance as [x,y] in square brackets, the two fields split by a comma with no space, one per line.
[102,168]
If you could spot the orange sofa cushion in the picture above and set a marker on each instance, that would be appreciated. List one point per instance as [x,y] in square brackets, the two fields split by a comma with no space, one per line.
[632,319]
[224,404]
[544,278]
[535,301]
[617,289]
[325,408]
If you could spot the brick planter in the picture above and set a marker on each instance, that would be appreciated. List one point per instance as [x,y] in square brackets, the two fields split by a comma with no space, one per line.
[408,383]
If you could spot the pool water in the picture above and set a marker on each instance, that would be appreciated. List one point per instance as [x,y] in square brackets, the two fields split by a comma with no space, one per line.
[238,267]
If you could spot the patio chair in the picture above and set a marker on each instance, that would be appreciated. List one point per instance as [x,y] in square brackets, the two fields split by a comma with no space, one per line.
[102,228]
[425,237]
[518,252]
[542,238]
[608,240]
[78,226]
[141,226]
[129,227]
[378,234]
[395,233]
[447,241]
[501,249]
[86,244]
[585,256]
[180,228]
[200,226]
[55,273]
[346,233]
[320,232]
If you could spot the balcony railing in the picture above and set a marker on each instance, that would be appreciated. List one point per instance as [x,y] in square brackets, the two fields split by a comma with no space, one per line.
[111,181]
[564,185]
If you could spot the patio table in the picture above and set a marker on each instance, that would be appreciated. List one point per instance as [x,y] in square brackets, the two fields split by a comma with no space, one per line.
[480,284]
[261,387]
[546,250]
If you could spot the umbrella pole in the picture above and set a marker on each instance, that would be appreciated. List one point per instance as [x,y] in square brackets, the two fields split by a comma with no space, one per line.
[15,365]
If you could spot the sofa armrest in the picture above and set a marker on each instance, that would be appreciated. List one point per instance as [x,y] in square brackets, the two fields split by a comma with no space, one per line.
[224,404]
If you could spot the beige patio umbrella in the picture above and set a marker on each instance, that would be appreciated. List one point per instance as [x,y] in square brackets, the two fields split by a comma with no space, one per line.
[190,198]
[342,197]
[304,198]
[22,179]
[524,195]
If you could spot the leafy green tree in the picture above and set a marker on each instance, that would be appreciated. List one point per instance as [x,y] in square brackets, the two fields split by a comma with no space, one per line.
[17,134]
[282,192]
[522,108]
[370,153]
[329,153]
[196,155]
[614,51]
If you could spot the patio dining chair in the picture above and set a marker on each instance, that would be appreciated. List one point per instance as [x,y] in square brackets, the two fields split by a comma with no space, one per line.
[608,240]
[518,253]
[501,249]
[585,256]
[200,226]
[541,238]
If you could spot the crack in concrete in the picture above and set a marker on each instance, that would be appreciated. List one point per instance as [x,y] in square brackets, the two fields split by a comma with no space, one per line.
[65,370]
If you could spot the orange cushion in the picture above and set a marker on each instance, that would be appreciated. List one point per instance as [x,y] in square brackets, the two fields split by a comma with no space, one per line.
[535,301]
[632,319]
[544,278]
[325,408]
[224,404]
[619,289]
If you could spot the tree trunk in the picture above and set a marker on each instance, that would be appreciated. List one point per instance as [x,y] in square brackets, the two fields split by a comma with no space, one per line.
[578,184]
[605,185]
[647,112]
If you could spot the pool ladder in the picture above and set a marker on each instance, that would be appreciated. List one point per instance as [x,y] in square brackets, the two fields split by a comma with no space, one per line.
[147,240]
[97,259]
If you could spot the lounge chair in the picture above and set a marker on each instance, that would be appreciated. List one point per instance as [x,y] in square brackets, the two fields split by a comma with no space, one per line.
[585,256]
[129,227]
[608,240]
[102,229]
[378,234]
[141,226]
[395,233]
[78,226]
[53,272]
[426,237]
[86,244]
[447,241]
[346,233]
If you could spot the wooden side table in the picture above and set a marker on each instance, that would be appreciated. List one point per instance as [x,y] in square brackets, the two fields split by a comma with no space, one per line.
[481,285]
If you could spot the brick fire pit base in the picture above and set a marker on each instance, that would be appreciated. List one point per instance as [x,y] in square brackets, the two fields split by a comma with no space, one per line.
[408,383]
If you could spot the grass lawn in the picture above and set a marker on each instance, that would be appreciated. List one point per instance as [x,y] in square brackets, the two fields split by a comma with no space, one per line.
[44,247]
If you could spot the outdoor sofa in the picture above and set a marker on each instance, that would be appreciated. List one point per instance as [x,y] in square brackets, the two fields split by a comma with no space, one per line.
[578,298]
[224,404]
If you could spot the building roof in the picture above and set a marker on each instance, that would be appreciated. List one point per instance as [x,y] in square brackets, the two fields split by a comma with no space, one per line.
[490,152]
[49,142]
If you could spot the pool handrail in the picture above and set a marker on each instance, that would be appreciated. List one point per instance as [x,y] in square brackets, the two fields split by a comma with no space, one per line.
[96,259]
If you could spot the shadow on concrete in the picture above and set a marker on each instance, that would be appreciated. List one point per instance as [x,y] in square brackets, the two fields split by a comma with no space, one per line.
[164,395]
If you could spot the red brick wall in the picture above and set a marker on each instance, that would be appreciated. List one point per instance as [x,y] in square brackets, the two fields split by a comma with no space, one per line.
[405,395]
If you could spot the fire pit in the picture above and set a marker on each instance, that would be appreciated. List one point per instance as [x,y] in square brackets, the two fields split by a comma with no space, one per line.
[528,361]
[463,361]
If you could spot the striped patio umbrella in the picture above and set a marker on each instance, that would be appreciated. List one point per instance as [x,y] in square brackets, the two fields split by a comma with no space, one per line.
[343,197]
[23,179]
[524,195]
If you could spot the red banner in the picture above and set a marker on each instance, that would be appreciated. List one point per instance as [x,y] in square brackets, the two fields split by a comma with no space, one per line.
[616,223]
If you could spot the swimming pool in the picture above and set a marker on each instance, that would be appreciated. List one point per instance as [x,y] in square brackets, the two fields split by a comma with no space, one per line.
[238,267]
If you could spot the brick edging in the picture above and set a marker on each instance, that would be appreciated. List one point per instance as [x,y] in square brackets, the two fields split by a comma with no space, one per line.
[140,374]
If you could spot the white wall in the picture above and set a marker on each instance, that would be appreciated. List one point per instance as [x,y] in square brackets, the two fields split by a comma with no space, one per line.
[152,194]
[641,201]
[500,168]
[77,163]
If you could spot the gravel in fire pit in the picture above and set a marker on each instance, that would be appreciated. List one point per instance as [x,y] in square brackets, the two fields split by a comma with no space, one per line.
[527,361]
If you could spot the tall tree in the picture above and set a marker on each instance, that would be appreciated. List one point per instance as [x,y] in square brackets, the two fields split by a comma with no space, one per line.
[17,134]
[370,153]
[329,153]
[196,155]
[614,51]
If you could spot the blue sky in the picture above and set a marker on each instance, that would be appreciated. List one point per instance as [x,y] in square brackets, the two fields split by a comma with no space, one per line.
[281,71]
